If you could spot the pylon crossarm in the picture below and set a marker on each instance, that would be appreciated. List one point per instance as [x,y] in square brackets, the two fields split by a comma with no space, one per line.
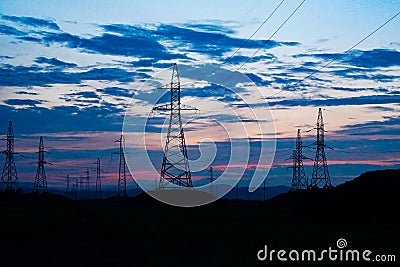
[167,107]
[165,87]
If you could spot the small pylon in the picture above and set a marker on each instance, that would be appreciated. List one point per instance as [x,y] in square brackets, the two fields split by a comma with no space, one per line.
[212,192]
[81,190]
[264,188]
[40,184]
[175,164]
[121,189]
[76,189]
[67,187]
[320,175]
[9,178]
[299,179]
[98,180]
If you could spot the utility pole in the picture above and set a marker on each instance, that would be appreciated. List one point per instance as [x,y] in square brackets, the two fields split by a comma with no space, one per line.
[98,180]
[237,190]
[76,189]
[175,164]
[40,184]
[67,188]
[211,182]
[299,178]
[264,184]
[81,191]
[320,175]
[121,190]
[87,192]
[9,178]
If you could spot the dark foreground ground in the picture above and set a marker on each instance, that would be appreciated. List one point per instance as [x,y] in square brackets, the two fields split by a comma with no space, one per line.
[53,231]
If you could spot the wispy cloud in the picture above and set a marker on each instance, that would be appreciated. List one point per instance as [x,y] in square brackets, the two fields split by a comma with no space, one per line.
[358,100]
[30,21]
[54,62]
[107,117]
[35,75]
[374,58]
[22,102]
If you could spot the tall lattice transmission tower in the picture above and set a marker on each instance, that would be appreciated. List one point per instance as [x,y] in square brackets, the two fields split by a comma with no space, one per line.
[299,179]
[9,178]
[98,180]
[40,184]
[320,175]
[175,164]
[121,189]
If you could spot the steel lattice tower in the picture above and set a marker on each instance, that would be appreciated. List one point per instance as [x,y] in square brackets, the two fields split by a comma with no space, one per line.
[98,180]
[9,178]
[121,191]
[299,179]
[320,175]
[175,164]
[40,185]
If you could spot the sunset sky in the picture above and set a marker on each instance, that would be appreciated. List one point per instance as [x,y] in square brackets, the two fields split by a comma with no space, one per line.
[71,70]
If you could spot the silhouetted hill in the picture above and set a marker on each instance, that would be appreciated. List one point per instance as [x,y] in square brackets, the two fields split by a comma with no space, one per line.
[50,230]
[29,199]
[244,194]
[374,192]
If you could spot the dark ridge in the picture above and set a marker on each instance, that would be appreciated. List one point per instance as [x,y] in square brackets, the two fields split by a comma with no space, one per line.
[51,230]
[374,192]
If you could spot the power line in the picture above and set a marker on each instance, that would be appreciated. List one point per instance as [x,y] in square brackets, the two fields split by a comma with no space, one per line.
[265,42]
[339,56]
[251,36]
[272,35]
[248,39]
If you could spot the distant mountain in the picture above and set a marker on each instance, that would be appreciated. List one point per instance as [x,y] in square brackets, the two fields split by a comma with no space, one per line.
[244,194]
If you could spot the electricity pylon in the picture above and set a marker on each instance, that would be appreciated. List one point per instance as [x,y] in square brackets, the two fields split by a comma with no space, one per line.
[40,185]
[9,178]
[98,180]
[299,179]
[320,175]
[175,164]
[121,189]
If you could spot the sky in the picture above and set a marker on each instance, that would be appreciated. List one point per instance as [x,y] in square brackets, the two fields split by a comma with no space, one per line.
[80,73]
